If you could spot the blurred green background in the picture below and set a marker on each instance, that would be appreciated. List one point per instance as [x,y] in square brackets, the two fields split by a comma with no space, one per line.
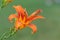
[48,29]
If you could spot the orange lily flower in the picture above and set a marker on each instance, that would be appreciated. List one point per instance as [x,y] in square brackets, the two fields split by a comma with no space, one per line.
[22,18]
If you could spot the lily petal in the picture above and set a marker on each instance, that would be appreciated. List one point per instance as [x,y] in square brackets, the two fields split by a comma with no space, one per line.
[33,27]
[35,13]
[26,12]
[17,24]
[20,10]
[34,18]
[11,17]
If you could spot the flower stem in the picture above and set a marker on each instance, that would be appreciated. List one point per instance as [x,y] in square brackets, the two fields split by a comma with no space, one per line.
[10,33]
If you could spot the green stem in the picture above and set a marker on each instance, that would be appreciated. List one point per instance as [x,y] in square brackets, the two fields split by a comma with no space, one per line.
[2,36]
[10,33]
